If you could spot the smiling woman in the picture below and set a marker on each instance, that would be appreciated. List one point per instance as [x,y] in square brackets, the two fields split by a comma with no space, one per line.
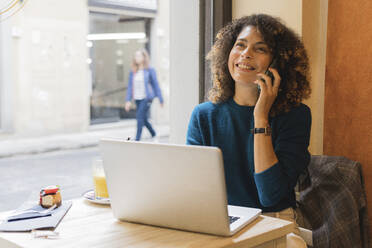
[283,44]
[249,44]
[263,132]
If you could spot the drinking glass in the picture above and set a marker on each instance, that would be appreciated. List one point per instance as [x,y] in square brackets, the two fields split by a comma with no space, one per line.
[99,179]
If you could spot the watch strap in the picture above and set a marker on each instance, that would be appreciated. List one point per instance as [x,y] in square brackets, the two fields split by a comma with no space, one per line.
[265,130]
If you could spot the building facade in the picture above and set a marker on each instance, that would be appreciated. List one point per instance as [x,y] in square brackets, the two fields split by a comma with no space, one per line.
[53,77]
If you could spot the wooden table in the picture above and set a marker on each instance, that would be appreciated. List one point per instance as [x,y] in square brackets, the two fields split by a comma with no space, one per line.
[91,225]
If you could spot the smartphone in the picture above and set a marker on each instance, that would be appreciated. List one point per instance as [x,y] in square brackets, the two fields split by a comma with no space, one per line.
[273,64]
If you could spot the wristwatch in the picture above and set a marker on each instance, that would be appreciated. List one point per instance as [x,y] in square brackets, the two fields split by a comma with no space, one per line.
[266,130]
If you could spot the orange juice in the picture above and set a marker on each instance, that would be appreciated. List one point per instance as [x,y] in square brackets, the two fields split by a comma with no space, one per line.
[100,186]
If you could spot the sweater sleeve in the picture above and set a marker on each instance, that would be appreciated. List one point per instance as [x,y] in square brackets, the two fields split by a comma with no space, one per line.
[155,85]
[194,136]
[291,148]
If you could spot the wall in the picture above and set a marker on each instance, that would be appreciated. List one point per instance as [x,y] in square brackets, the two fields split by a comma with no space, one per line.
[50,77]
[314,33]
[184,66]
[290,11]
[348,90]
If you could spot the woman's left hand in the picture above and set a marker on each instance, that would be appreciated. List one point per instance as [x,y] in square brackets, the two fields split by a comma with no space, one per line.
[268,94]
[127,106]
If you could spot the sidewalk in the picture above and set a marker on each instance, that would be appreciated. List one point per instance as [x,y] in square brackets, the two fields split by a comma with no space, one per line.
[90,138]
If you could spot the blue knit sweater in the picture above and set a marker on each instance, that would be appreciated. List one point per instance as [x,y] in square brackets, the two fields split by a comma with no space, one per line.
[227,126]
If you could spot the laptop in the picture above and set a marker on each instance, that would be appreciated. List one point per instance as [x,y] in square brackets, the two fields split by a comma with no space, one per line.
[173,186]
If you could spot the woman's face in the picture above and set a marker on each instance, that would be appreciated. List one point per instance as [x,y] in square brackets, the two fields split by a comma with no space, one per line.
[249,55]
[138,57]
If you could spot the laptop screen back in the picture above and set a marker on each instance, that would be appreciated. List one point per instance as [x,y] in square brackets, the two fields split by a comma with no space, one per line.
[175,186]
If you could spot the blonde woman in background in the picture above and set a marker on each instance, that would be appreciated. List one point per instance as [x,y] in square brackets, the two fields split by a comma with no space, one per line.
[143,87]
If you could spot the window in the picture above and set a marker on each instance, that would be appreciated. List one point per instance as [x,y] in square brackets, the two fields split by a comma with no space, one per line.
[112,41]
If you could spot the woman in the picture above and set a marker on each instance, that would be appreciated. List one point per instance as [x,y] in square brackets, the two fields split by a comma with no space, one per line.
[258,122]
[143,87]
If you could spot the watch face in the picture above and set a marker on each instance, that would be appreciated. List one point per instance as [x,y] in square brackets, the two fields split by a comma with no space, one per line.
[266,130]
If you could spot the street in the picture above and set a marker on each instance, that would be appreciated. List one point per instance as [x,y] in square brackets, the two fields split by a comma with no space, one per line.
[22,177]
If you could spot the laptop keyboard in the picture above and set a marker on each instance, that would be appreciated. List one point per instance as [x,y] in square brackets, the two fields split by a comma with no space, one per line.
[233,219]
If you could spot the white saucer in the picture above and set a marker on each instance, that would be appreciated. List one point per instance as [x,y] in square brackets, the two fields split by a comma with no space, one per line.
[90,196]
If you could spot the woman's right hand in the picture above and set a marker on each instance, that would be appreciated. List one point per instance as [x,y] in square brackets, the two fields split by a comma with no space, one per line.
[268,94]
[127,106]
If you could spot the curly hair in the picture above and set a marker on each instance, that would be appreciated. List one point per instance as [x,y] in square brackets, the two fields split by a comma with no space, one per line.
[285,46]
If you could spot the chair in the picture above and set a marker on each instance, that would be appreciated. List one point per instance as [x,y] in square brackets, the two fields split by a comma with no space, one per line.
[328,193]
[305,233]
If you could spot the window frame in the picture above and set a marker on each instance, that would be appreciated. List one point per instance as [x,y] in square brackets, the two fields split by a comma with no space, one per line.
[213,14]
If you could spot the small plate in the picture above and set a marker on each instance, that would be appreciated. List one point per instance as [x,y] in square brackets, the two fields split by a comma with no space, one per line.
[90,196]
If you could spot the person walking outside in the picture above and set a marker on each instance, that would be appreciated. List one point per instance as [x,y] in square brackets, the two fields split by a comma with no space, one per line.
[143,87]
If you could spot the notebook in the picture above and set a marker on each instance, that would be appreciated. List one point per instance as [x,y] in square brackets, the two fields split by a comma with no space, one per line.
[173,186]
[28,222]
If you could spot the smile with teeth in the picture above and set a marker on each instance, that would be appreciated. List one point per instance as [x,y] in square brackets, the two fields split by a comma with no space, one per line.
[247,67]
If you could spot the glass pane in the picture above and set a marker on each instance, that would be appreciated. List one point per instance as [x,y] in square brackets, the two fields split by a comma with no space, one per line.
[112,46]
